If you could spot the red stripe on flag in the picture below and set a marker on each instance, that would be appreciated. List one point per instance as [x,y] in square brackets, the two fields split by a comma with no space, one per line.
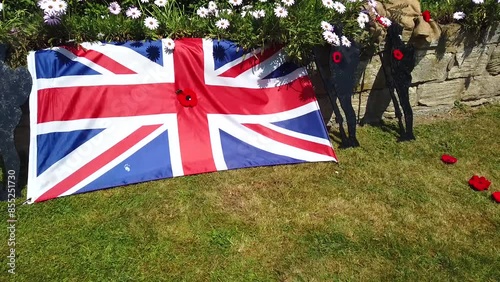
[249,63]
[71,103]
[97,163]
[100,59]
[292,141]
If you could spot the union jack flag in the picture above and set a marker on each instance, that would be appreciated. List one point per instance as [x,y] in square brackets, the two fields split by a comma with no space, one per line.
[110,114]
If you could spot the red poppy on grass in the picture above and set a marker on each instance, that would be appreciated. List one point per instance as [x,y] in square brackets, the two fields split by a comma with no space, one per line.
[448,159]
[337,57]
[187,97]
[397,54]
[496,196]
[479,183]
[427,15]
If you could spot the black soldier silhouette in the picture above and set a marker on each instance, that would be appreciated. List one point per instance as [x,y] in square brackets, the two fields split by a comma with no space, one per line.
[15,87]
[399,58]
[340,83]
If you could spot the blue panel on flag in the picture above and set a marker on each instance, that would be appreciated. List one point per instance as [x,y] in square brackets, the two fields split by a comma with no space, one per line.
[65,142]
[239,154]
[149,49]
[225,52]
[284,69]
[151,162]
[52,64]
[307,124]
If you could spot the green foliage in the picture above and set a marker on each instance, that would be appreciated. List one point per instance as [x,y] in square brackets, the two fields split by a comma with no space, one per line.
[92,21]
[22,25]
[477,16]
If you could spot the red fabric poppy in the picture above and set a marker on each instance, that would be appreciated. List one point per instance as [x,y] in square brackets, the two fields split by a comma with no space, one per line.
[496,196]
[337,57]
[427,15]
[448,159]
[379,20]
[479,183]
[187,97]
[397,54]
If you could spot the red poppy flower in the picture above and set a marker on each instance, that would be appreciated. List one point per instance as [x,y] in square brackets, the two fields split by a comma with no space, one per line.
[479,183]
[448,159]
[427,15]
[187,97]
[496,196]
[397,54]
[337,57]
[380,21]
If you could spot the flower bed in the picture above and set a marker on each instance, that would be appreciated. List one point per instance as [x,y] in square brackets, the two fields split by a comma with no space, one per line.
[298,25]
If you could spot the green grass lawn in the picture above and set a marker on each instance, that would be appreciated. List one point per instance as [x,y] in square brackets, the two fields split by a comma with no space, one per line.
[388,211]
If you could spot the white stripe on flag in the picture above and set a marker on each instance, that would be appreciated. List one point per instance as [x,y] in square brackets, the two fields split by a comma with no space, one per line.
[99,80]
[102,123]
[132,59]
[98,173]
[269,145]
[83,61]
[82,155]
[249,79]
[281,116]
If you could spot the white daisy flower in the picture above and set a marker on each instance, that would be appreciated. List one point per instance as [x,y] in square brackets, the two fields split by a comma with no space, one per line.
[227,11]
[372,3]
[478,1]
[52,18]
[60,7]
[288,2]
[202,12]
[133,13]
[169,44]
[280,12]
[326,26]
[345,41]
[328,3]
[257,14]
[336,40]
[43,4]
[145,1]
[151,23]
[114,8]
[212,6]
[331,38]
[362,17]
[235,2]
[458,15]
[100,35]
[362,20]
[160,3]
[263,1]
[387,22]
[222,24]
[339,7]
[328,36]
[361,24]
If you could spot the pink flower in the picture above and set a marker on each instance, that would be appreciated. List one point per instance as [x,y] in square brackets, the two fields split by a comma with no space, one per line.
[114,8]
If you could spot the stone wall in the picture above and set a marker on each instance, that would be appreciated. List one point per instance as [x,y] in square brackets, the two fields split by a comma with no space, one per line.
[452,70]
